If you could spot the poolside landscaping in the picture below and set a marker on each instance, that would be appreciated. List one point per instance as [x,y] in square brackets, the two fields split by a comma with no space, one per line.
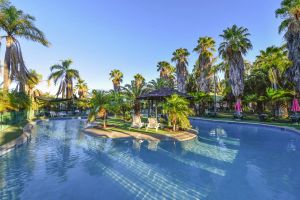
[254,119]
[10,134]
[118,128]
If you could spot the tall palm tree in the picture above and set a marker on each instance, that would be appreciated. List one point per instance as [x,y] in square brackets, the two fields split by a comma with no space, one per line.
[17,24]
[290,13]
[205,49]
[166,70]
[63,73]
[235,44]
[180,57]
[82,88]
[139,80]
[117,78]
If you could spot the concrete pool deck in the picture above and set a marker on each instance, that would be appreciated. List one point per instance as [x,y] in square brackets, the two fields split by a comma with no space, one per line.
[113,134]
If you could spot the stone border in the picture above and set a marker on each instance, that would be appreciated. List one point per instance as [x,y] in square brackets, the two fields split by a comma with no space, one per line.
[23,138]
[282,128]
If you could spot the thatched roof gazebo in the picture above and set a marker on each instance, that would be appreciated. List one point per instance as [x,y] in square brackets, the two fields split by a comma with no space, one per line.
[160,95]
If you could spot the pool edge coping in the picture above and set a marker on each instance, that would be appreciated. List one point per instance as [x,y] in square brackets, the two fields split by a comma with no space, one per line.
[249,123]
[19,141]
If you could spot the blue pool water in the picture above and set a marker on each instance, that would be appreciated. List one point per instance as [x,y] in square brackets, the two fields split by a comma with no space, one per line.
[227,161]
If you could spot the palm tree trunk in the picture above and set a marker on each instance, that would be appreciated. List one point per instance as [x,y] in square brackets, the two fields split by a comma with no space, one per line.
[6,70]
[137,108]
[236,74]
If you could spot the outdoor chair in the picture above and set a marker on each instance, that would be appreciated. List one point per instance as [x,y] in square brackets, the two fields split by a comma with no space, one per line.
[152,124]
[238,115]
[137,122]
[295,117]
[210,113]
[52,114]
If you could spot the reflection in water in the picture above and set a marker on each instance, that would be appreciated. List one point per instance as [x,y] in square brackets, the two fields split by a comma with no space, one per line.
[225,162]
[150,182]
[220,153]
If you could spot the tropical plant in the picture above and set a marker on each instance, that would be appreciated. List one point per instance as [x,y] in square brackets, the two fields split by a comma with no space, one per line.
[279,99]
[191,83]
[205,48]
[139,80]
[64,74]
[119,104]
[17,24]
[32,82]
[290,14]
[132,92]
[235,44]
[202,99]
[5,101]
[19,100]
[177,109]
[180,57]
[82,88]
[166,70]
[160,83]
[275,61]
[117,78]
[100,105]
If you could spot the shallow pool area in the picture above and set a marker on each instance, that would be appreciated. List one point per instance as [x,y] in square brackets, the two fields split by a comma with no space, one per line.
[226,161]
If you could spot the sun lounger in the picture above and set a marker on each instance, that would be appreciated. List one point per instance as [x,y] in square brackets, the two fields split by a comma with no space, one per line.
[137,122]
[152,124]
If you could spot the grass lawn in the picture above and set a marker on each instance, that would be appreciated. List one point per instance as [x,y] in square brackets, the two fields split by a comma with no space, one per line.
[120,125]
[10,134]
[254,119]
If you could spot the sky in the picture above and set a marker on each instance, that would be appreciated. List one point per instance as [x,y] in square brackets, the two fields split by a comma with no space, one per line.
[134,35]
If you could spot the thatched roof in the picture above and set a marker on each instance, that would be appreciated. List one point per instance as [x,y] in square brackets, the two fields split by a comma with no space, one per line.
[162,93]
[52,100]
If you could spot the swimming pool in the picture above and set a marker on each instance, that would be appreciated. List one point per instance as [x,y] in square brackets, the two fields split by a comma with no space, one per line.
[227,161]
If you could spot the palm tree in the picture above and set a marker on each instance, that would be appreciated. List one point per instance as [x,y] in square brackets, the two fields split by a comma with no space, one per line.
[17,24]
[235,44]
[180,57]
[178,111]
[139,80]
[166,70]
[100,105]
[132,92]
[160,83]
[290,13]
[275,61]
[82,88]
[205,49]
[32,82]
[117,78]
[63,73]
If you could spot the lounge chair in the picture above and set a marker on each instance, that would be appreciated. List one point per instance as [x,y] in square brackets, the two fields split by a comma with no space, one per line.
[295,117]
[153,124]
[53,114]
[238,115]
[137,122]
[210,113]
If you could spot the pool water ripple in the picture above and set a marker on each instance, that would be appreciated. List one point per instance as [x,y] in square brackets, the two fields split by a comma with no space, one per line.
[226,161]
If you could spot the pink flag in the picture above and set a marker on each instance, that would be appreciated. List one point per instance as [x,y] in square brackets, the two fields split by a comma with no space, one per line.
[295,106]
[238,106]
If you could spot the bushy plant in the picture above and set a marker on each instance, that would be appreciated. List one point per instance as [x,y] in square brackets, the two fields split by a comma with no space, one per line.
[177,109]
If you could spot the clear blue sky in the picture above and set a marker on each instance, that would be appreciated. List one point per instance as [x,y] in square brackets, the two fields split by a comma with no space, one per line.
[133,35]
